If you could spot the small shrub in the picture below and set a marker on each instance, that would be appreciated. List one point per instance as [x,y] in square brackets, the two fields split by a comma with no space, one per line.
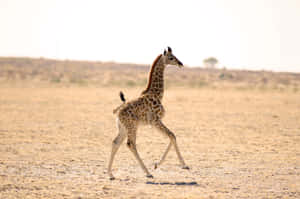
[55,80]
[202,83]
[295,89]
[130,83]
[264,80]
[78,81]
[225,76]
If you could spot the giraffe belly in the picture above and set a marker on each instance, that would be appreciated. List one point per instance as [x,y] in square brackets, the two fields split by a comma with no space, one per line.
[153,115]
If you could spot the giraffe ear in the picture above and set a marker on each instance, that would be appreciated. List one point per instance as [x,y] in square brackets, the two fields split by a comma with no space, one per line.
[169,49]
[165,52]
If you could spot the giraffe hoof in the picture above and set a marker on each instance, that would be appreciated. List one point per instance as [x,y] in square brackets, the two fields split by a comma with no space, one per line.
[149,176]
[155,166]
[186,167]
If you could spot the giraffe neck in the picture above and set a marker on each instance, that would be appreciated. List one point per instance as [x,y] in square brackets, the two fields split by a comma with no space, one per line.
[156,79]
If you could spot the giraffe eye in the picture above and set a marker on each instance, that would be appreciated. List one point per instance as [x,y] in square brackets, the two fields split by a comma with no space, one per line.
[171,58]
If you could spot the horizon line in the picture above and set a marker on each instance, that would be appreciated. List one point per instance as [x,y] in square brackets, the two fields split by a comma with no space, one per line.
[135,63]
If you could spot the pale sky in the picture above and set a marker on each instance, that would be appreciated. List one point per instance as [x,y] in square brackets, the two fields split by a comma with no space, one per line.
[243,34]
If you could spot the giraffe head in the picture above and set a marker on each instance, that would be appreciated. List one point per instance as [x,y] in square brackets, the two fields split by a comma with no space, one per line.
[169,59]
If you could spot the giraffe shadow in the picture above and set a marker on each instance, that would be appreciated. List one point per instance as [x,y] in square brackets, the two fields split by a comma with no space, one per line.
[174,183]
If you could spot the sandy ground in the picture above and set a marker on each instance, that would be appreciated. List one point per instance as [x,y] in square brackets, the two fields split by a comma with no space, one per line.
[56,142]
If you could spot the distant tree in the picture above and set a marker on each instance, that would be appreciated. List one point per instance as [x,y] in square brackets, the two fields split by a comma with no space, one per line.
[210,62]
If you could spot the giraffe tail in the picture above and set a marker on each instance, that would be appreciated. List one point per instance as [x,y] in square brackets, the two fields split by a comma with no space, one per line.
[122,97]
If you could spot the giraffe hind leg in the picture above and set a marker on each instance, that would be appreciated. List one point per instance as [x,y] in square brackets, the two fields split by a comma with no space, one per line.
[131,143]
[115,146]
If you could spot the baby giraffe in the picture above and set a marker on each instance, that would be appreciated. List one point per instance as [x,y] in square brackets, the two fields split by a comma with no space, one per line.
[146,109]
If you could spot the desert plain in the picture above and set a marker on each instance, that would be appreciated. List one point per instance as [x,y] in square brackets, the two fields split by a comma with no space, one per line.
[240,138]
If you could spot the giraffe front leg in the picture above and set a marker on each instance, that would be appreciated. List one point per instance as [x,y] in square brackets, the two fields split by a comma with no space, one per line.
[162,128]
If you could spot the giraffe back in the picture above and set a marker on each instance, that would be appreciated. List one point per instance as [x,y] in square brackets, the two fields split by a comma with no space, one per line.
[143,110]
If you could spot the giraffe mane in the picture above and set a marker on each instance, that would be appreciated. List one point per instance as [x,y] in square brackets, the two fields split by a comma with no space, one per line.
[151,72]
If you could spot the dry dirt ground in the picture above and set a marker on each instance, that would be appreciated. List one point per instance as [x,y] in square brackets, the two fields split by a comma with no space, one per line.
[56,142]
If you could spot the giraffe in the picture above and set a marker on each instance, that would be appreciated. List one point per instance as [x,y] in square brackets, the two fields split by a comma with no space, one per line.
[146,109]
